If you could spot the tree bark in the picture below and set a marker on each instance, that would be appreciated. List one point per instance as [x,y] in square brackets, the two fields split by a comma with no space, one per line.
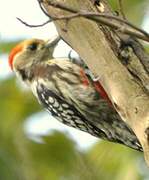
[99,46]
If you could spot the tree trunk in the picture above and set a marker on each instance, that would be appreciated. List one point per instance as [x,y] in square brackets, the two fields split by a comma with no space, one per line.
[99,47]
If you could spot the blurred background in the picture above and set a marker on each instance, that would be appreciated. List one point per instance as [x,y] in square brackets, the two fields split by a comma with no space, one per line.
[35,146]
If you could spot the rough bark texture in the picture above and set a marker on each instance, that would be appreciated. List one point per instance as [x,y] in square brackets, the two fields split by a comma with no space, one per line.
[98,46]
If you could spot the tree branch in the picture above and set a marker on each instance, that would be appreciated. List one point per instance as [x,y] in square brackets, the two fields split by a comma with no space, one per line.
[134,31]
[98,46]
[104,19]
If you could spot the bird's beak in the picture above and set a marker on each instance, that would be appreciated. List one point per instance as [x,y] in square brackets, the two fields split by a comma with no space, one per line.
[52,42]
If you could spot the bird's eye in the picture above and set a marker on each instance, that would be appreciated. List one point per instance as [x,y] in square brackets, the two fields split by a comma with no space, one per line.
[33,46]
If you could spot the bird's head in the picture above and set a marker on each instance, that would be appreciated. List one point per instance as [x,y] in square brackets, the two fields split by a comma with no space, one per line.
[30,52]
[27,53]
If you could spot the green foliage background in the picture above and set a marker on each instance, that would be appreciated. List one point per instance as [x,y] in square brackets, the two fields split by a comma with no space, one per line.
[59,158]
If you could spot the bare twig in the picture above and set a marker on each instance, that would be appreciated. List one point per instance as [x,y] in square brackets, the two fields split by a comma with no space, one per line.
[121,9]
[104,19]
[33,26]
[41,7]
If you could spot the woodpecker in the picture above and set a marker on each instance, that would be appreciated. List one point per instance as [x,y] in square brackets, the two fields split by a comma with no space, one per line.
[64,89]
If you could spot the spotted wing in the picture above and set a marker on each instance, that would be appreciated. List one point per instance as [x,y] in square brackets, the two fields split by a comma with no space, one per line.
[69,115]
[66,112]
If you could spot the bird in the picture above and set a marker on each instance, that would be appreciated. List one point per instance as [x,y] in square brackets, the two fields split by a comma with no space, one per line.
[65,90]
